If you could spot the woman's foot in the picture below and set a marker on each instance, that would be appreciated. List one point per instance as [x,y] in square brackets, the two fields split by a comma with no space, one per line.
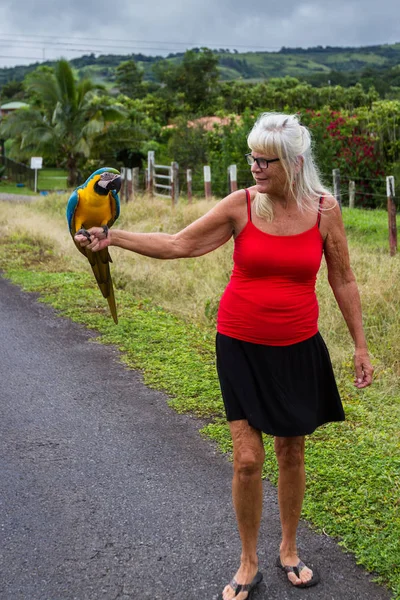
[297,572]
[245,575]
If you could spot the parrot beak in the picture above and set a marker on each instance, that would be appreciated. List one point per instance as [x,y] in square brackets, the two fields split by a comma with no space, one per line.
[115,184]
[110,181]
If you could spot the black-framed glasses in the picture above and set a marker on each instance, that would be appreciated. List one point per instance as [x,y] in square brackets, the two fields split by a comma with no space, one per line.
[262,163]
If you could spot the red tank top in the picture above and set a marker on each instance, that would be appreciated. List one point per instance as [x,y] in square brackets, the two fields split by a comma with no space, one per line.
[270,298]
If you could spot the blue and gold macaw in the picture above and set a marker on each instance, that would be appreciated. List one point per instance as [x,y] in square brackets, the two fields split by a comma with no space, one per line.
[96,204]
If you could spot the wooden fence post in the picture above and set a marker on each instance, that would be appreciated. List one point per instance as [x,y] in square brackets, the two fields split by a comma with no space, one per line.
[232,174]
[122,191]
[128,184]
[174,183]
[336,186]
[189,184]
[207,181]
[135,182]
[391,206]
[150,172]
[352,193]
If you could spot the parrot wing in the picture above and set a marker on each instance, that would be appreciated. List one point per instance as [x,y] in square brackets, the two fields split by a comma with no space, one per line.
[115,207]
[71,208]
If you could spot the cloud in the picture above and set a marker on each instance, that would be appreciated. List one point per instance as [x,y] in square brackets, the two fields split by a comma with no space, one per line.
[158,27]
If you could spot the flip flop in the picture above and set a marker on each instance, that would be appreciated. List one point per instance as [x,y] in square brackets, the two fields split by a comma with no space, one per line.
[297,570]
[246,587]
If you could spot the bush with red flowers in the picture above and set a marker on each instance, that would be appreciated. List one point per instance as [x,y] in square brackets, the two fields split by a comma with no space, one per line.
[343,142]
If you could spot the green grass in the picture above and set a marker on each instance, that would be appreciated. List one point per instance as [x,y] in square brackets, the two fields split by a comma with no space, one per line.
[48,180]
[367,227]
[353,468]
[52,179]
[11,188]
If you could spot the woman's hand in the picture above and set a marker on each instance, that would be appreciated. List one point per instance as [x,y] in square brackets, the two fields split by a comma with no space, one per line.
[99,239]
[363,368]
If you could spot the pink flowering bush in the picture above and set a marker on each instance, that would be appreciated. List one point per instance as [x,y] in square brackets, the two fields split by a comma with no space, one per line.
[342,141]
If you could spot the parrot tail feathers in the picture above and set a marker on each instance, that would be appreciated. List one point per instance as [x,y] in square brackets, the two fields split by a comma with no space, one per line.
[99,261]
[111,304]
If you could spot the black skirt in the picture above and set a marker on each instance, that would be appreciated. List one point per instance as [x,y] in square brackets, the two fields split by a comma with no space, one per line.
[280,390]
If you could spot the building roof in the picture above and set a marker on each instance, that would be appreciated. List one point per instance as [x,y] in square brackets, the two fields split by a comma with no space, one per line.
[13,105]
[208,123]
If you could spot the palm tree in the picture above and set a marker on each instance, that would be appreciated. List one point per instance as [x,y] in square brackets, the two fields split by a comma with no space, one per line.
[63,119]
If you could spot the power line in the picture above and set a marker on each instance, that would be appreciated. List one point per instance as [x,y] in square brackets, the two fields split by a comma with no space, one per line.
[84,49]
[170,42]
[75,50]
[24,57]
[99,48]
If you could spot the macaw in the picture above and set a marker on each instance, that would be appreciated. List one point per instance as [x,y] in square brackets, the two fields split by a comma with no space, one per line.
[96,204]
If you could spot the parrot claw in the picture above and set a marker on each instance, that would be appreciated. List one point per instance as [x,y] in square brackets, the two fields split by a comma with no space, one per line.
[105,229]
[83,232]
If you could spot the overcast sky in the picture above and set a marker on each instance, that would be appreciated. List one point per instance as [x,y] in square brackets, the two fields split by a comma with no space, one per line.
[31,30]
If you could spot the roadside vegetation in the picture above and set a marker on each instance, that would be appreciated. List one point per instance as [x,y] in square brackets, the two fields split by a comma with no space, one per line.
[185,111]
[167,327]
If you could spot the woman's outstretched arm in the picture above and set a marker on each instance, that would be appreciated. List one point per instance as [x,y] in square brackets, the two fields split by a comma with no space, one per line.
[200,237]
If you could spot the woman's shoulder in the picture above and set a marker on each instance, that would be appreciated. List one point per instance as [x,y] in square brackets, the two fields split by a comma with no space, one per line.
[252,191]
[331,215]
[235,206]
[328,202]
[236,199]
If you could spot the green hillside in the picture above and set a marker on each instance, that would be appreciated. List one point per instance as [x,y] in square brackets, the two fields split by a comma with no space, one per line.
[295,62]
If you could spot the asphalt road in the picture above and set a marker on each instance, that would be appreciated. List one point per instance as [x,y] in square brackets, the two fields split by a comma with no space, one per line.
[20,198]
[106,493]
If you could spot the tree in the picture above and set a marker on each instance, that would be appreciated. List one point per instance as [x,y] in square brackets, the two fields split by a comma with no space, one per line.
[129,79]
[124,140]
[63,118]
[196,77]
[12,90]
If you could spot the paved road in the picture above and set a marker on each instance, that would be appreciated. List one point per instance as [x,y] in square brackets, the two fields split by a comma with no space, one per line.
[106,493]
[20,198]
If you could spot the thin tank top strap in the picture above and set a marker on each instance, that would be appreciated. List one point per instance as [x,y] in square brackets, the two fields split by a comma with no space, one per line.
[248,204]
[321,200]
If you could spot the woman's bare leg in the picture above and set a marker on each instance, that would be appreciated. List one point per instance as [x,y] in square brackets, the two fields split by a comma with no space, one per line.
[291,487]
[248,459]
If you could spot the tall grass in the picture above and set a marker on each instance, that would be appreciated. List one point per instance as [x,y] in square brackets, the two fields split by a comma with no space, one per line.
[191,288]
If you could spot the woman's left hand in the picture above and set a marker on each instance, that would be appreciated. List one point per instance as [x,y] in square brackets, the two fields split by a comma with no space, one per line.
[364,369]
[99,239]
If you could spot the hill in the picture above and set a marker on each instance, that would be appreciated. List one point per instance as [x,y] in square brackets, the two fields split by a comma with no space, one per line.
[316,63]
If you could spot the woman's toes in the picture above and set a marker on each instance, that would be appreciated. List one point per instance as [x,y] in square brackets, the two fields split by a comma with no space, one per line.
[228,593]
[294,579]
[306,575]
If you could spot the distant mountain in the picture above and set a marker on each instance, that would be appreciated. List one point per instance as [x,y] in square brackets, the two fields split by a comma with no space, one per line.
[317,62]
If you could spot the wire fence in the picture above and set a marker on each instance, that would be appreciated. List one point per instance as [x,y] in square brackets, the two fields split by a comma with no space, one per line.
[18,172]
[192,183]
[199,182]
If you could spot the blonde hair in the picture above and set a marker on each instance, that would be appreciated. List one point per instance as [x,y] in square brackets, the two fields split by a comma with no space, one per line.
[280,135]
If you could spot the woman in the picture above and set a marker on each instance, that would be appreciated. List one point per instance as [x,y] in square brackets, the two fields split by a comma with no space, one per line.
[274,369]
